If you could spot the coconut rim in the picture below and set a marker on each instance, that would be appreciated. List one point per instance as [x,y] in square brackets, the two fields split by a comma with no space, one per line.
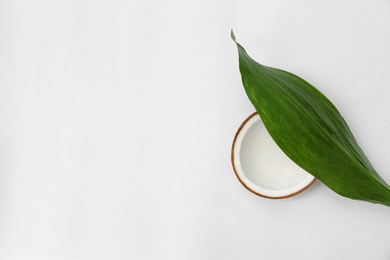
[247,183]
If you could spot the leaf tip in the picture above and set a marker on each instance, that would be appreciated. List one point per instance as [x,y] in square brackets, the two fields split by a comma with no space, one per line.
[232,35]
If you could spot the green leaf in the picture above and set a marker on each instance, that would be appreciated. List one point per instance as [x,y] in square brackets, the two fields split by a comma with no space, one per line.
[310,130]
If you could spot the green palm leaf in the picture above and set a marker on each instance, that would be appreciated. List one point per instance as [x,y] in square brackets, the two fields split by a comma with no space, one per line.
[310,130]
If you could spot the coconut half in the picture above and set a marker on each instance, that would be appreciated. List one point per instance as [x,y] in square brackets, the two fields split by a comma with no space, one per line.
[262,167]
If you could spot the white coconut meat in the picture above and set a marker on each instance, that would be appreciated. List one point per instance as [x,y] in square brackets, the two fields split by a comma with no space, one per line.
[262,167]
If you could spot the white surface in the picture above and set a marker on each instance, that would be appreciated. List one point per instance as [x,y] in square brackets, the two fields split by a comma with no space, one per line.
[262,165]
[117,119]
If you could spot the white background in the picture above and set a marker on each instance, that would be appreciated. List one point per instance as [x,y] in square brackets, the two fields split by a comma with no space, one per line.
[117,117]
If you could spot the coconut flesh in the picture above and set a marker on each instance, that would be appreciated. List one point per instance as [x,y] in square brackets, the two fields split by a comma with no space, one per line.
[262,167]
